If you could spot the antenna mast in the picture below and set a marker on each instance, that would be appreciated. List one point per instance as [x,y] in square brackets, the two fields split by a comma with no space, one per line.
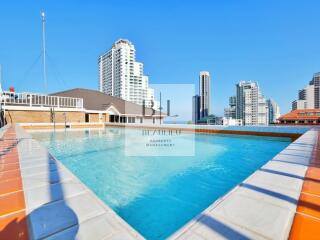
[43,17]
[0,78]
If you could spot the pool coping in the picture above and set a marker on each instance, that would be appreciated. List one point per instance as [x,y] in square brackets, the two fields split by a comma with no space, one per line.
[266,131]
[223,219]
[266,204]
[57,205]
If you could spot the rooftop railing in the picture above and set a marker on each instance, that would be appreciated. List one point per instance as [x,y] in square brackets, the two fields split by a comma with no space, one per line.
[39,100]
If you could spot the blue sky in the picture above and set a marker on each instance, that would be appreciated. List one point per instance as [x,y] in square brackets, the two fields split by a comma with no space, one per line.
[276,43]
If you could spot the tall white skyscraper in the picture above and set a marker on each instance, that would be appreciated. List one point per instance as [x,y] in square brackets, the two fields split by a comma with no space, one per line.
[251,106]
[121,76]
[205,94]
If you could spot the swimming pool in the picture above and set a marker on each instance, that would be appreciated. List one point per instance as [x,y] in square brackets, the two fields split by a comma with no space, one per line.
[158,194]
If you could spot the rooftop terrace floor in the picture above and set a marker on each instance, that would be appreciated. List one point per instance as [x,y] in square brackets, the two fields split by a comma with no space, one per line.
[40,198]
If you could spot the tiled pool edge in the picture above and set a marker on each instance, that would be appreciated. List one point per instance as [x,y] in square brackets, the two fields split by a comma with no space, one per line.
[46,194]
[306,222]
[217,129]
[263,206]
[264,131]
[13,224]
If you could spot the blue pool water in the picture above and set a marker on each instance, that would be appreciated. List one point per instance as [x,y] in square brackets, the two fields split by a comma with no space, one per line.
[158,195]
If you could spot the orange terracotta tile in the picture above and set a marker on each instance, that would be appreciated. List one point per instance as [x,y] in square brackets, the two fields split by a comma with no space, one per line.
[314,164]
[14,226]
[9,166]
[11,202]
[5,160]
[9,186]
[313,173]
[305,227]
[311,187]
[309,205]
[8,175]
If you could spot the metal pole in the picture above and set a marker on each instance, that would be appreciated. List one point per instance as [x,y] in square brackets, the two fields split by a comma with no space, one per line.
[1,109]
[43,16]
[1,77]
[160,108]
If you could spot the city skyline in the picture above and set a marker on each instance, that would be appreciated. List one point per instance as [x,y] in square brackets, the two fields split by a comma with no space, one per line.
[282,56]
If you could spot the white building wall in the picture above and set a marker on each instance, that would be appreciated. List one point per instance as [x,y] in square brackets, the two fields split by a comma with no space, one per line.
[310,97]
[251,105]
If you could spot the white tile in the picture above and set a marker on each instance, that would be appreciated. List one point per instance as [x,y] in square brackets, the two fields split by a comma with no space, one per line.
[261,217]
[209,226]
[55,217]
[286,168]
[36,197]
[271,179]
[37,180]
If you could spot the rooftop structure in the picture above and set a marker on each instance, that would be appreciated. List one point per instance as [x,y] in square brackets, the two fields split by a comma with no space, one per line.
[301,117]
[75,105]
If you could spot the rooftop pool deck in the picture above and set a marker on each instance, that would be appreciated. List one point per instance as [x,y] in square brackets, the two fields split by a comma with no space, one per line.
[41,198]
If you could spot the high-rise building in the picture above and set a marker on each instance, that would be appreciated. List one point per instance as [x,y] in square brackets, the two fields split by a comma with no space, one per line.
[205,94]
[195,109]
[316,83]
[309,97]
[230,112]
[274,111]
[251,106]
[121,76]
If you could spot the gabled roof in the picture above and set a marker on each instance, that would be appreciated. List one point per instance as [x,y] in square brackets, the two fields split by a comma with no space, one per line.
[302,114]
[98,101]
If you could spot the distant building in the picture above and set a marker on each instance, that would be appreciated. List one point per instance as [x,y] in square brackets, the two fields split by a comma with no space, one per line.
[121,76]
[309,97]
[195,109]
[231,122]
[251,105]
[274,111]
[205,94]
[211,120]
[230,112]
[301,117]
